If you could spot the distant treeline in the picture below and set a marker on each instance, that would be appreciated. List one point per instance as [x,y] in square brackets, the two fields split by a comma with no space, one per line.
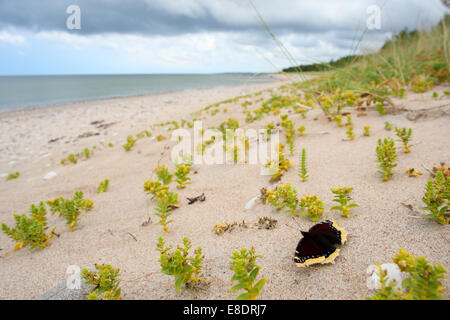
[400,38]
[342,62]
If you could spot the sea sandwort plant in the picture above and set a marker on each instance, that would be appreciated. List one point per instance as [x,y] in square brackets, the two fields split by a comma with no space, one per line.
[405,136]
[437,198]
[103,186]
[130,143]
[269,128]
[70,209]
[311,206]
[160,137]
[386,156]
[387,126]
[301,130]
[283,196]
[143,134]
[283,165]
[74,157]
[342,195]
[182,170]
[106,281]
[350,133]
[155,187]
[13,176]
[178,264]
[30,231]
[289,133]
[243,264]
[338,120]
[349,121]
[163,174]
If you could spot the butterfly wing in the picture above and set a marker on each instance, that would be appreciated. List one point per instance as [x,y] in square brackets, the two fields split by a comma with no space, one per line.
[310,252]
[330,230]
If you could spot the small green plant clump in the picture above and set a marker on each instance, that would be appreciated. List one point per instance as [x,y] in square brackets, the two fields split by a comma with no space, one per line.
[154,187]
[342,195]
[284,196]
[349,121]
[30,230]
[405,136]
[243,264]
[437,198]
[283,165]
[338,120]
[182,170]
[350,133]
[420,84]
[186,123]
[269,128]
[230,124]
[311,207]
[160,137]
[289,133]
[423,283]
[163,174]
[303,170]
[366,131]
[380,108]
[103,186]
[167,201]
[74,157]
[130,143]
[13,176]
[386,155]
[106,281]
[70,209]
[143,134]
[180,265]
[387,126]
[301,130]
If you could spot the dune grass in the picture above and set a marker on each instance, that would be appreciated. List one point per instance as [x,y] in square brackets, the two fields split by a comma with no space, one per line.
[416,60]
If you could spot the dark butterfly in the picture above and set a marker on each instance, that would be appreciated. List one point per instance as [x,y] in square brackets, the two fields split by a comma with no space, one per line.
[318,244]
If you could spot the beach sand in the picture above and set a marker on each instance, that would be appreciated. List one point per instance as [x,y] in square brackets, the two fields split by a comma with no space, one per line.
[112,232]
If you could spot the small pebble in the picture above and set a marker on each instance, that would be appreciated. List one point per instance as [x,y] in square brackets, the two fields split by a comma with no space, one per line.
[50,175]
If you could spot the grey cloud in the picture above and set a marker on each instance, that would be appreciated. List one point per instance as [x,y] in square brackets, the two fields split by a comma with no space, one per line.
[174,17]
[317,28]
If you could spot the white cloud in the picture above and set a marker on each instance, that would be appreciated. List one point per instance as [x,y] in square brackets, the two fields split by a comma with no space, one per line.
[203,52]
[12,38]
[227,38]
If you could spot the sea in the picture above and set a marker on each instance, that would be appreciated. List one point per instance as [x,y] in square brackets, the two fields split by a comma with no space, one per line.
[27,91]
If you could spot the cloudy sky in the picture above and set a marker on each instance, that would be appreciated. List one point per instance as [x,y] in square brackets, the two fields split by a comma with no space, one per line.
[193,36]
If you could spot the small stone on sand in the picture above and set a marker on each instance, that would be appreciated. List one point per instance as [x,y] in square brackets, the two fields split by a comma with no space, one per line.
[50,175]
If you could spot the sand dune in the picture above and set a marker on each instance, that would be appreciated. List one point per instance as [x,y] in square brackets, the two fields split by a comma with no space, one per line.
[33,141]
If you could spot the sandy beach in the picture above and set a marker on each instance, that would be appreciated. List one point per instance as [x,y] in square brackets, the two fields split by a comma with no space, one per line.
[33,142]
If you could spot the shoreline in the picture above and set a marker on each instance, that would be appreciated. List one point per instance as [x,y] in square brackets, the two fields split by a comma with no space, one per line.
[157,106]
[275,77]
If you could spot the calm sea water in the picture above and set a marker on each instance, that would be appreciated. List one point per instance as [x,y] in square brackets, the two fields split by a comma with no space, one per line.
[23,91]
